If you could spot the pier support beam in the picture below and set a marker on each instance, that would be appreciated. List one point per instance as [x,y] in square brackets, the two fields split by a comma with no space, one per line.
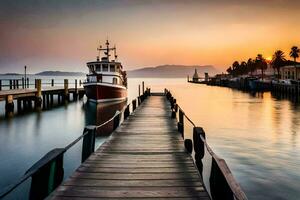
[75,94]
[9,105]
[38,96]
[66,90]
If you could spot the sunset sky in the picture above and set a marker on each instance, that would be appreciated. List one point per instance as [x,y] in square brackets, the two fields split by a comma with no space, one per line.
[63,35]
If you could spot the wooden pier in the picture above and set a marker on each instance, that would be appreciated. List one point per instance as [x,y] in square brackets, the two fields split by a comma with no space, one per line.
[40,97]
[148,156]
[145,158]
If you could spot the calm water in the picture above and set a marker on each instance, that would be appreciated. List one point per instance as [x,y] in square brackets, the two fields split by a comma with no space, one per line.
[257,135]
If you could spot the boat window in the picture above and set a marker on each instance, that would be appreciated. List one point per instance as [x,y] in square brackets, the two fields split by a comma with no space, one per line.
[91,67]
[112,68]
[98,67]
[105,67]
[115,81]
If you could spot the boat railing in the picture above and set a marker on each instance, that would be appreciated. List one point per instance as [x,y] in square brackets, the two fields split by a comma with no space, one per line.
[214,171]
[48,173]
[100,81]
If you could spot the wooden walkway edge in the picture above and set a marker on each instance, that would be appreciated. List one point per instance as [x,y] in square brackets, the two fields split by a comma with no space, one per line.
[144,158]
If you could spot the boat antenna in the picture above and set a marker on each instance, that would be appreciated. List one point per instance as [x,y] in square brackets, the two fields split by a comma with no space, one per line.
[99,49]
[107,50]
[115,52]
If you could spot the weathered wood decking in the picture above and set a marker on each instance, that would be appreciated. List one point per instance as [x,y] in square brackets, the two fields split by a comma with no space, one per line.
[144,159]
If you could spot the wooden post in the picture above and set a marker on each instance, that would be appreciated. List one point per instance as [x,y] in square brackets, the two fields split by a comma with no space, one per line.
[88,145]
[23,83]
[139,90]
[49,173]
[180,124]
[126,112]
[188,144]
[219,186]
[52,83]
[17,82]
[75,94]
[27,82]
[14,82]
[199,147]
[0,85]
[66,90]
[9,105]
[10,84]
[143,87]
[133,105]
[38,96]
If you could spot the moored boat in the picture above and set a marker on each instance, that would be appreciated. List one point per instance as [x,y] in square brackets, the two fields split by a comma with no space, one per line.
[106,80]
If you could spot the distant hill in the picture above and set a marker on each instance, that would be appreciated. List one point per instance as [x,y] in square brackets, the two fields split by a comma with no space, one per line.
[59,73]
[11,74]
[172,71]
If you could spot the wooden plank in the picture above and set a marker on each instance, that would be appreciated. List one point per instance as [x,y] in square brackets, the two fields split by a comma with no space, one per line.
[141,176]
[137,192]
[133,183]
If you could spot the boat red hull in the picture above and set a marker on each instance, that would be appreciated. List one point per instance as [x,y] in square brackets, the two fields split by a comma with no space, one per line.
[105,93]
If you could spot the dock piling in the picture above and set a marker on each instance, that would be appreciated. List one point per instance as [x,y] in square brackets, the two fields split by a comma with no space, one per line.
[9,104]
[180,123]
[38,96]
[88,145]
[23,83]
[66,91]
[133,105]
[10,85]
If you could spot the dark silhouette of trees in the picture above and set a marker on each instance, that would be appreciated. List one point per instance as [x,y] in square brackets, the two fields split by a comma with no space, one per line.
[294,53]
[240,69]
[251,66]
[261,64]
[278,61]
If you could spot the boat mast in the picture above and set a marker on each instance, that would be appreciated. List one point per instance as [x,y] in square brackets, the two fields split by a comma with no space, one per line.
[107,50]
[115,52]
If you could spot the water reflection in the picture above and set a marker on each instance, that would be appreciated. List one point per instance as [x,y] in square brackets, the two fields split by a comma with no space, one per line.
[97,114]
[257,135]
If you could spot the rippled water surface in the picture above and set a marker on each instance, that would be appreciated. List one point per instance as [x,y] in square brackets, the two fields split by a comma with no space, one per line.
[257,135]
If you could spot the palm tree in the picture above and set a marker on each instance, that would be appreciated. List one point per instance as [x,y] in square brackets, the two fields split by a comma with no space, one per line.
[261,64]
[250,66]
[295,54]
[278,61]
[243,67]
[236,68]
[295,51]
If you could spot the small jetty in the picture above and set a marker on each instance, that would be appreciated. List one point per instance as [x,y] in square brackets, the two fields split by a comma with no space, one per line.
[151,154]
[39,96]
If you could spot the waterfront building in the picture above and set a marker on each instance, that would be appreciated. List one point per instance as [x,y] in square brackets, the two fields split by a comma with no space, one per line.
[290,72]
